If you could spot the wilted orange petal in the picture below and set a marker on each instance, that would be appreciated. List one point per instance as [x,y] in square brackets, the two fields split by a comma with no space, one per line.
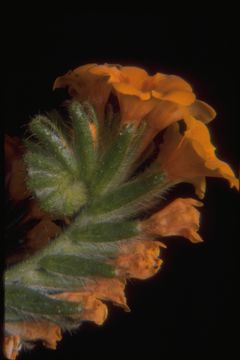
[139,259]
[17,181]
[11,347]
[12,148]
[93,309]
[42,330]
[180,218]
[199,184]
[41,233]
[109,290]
[34,212]
[15,169]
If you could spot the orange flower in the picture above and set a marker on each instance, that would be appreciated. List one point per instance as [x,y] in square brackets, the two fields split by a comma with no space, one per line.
[85,86]
[139,259]
[191,156]
[159,99]
[91,294]
[42,330]
[138,93]
[179,218]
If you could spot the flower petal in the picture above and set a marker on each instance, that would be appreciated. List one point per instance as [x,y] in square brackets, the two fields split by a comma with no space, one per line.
[84,85]
[11,347]
[191,156]
[173,88]
[180,97]
[110,72]
[139,259]
[135,75]
[128,89]
[42,330]
[179,218]
[133,109]
[109,290]
[93,309]
[202,111]
[199,184]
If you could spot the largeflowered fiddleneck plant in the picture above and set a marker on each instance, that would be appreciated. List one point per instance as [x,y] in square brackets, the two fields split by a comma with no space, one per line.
[105,180]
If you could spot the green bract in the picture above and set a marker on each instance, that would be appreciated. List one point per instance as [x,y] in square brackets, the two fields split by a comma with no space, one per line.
[91,181]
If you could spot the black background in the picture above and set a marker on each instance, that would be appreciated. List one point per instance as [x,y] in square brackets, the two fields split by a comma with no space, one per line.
[187,308]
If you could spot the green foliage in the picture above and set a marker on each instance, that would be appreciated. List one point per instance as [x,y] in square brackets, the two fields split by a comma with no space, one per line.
[85,145]
[54,142]
[76,266]
[127,200]
[88,176]
[112,163]
[32,301]
[104,232]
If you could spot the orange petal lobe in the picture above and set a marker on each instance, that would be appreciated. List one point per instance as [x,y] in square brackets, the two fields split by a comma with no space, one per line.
[139,259]
[179,218]
[109,290]
[42,330]
[202,111]
[191,156]
[11,347]
[93,309]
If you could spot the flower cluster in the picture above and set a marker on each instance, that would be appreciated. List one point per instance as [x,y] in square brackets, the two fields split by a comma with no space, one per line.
[160,102]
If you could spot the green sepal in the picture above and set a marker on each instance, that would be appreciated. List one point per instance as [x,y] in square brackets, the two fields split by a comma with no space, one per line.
[108,129]
[104,250]
[129,199]
[64,200]
[72,265]
[62,122]
[32,301]
[52,139]
[104,232]
[57,190]
[84,144]
[36,158]
[111,166]
[51,282]
[11,314]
